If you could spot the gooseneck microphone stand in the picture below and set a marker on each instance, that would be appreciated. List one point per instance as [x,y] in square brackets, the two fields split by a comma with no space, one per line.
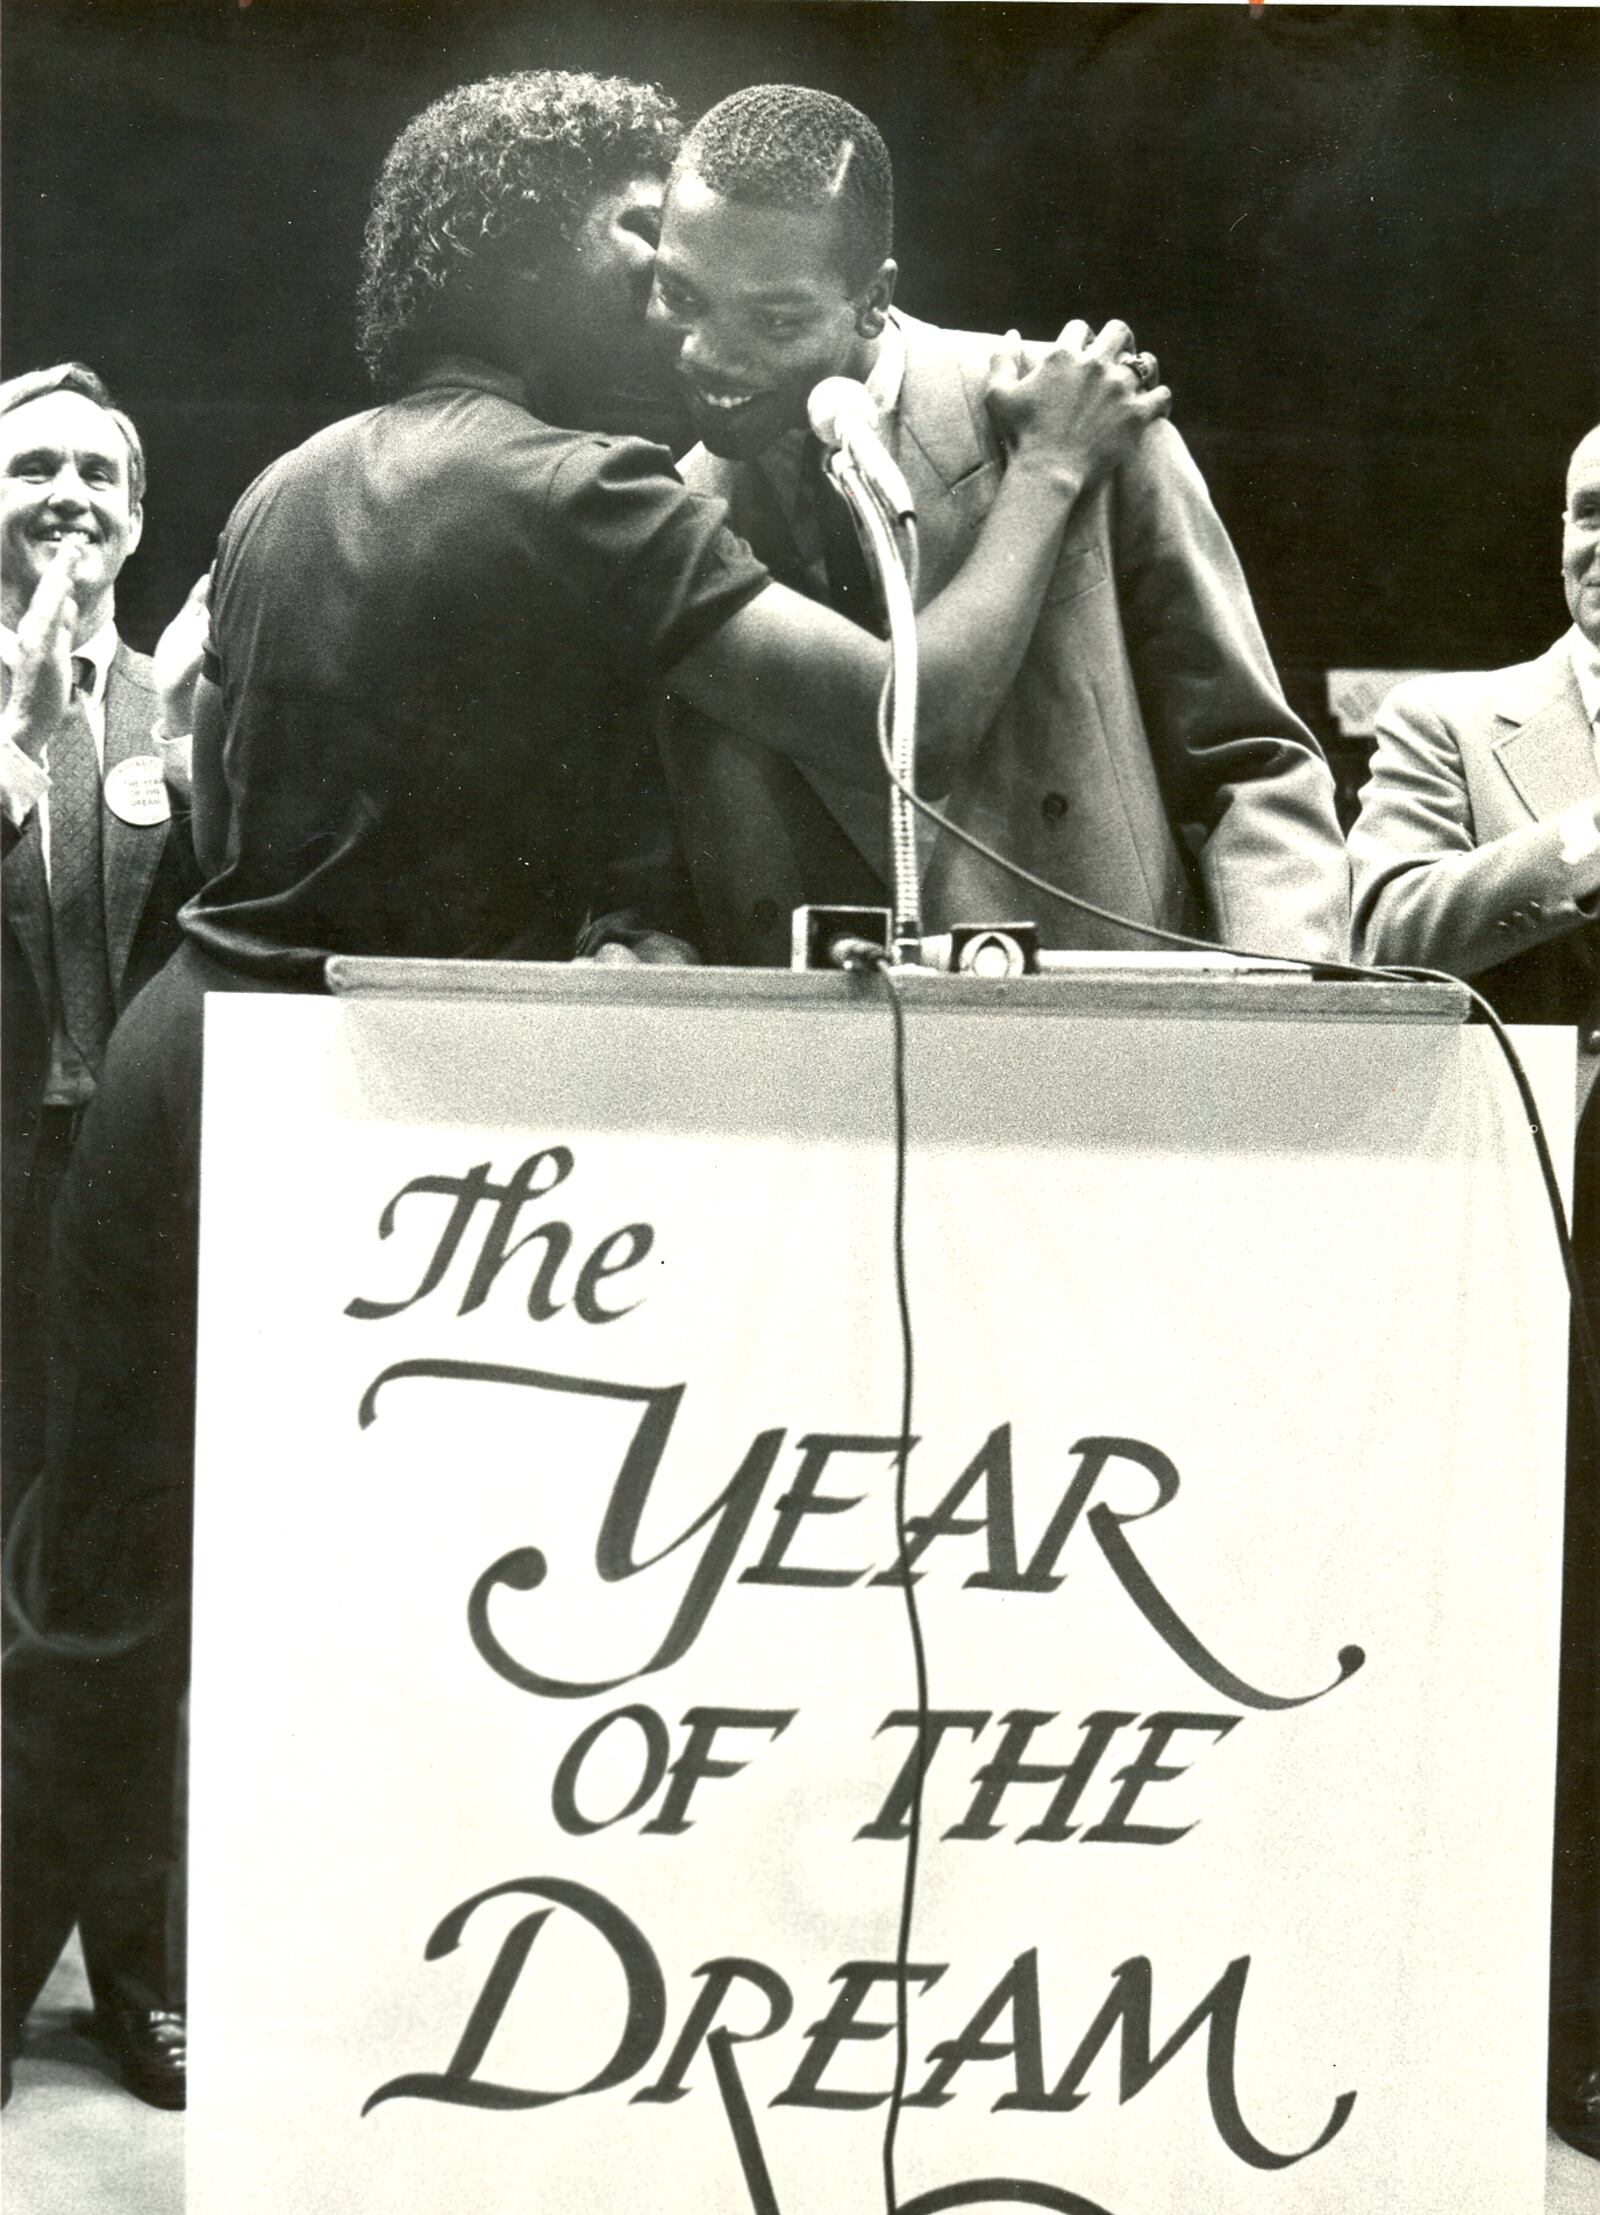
[889,540]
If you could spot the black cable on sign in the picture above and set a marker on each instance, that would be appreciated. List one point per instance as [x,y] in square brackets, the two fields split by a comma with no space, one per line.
[919,1649]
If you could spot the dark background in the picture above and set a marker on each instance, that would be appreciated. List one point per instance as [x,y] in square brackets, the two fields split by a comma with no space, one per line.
[1365,243]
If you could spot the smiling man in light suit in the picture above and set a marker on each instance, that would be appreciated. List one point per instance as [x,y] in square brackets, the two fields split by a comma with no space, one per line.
[1477,847]
[1477,850]
[1145,757]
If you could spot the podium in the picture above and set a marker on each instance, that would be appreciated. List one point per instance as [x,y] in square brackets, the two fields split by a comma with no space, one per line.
[555,1722]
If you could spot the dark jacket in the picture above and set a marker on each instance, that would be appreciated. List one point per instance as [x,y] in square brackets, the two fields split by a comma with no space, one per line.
[148,872]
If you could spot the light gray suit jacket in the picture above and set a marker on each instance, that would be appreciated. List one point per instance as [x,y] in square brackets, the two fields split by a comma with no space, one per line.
[1145,758]
[1457,855]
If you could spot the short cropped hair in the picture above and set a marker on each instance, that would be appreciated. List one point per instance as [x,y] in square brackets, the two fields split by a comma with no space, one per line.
[791,146]
[77,376]
[496,172]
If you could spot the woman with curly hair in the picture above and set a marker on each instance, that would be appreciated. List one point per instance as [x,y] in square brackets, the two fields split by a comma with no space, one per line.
[492,183]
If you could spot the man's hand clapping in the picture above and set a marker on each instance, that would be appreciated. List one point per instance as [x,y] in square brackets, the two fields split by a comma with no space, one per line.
[41,682]
[176,661]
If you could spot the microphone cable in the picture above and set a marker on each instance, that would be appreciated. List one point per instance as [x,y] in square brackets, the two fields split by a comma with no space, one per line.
[922,1694]
[860,955]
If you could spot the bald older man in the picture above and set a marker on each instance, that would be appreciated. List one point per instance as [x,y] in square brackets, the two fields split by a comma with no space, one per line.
[1477,850]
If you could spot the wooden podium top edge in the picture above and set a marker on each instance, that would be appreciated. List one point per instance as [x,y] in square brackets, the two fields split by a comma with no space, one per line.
[1097,989]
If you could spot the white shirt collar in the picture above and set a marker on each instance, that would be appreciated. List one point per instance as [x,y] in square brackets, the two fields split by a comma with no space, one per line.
[888,372]
[1586,668]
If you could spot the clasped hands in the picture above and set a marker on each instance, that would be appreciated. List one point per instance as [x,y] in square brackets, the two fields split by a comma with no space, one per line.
[1081,403]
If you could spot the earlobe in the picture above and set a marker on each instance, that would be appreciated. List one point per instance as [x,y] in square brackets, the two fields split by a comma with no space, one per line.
[135,528]
[873,312]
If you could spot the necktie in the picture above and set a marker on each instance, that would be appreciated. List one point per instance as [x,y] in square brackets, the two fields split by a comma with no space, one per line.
[77,898]
[851,585]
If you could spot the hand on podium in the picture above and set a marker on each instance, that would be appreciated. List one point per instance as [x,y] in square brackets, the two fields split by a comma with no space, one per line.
[650,949]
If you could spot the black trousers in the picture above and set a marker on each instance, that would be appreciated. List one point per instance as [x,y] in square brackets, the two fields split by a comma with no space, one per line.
[1575,1926]
[94,1688]
[31,1190]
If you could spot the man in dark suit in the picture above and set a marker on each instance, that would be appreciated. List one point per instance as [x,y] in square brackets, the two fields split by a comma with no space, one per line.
[92,881]
[1144,757]
[1477,850]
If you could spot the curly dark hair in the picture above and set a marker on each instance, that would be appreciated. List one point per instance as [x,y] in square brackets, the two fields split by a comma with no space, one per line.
[791,146]
[505,168]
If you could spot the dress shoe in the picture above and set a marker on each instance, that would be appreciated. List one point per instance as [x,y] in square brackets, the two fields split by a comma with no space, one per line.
[1575,2108]
[147,2046]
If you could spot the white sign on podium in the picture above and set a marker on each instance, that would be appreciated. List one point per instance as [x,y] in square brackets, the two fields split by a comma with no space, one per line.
[555,1715]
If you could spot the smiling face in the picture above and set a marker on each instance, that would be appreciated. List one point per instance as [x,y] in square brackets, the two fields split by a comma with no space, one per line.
[1580,538]
[64,471]
[758,306]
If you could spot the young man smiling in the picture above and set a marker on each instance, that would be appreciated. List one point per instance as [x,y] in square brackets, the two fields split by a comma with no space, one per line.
[1142,757]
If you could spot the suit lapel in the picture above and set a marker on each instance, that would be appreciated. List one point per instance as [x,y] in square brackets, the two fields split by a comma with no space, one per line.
[1549,756]
[935,414]
[951,467]
[131,852]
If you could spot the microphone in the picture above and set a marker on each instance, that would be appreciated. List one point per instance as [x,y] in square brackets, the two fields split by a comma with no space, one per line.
[844,417]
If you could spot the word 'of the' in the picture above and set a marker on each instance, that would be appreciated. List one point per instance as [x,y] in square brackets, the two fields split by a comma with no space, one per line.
[706,1757]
